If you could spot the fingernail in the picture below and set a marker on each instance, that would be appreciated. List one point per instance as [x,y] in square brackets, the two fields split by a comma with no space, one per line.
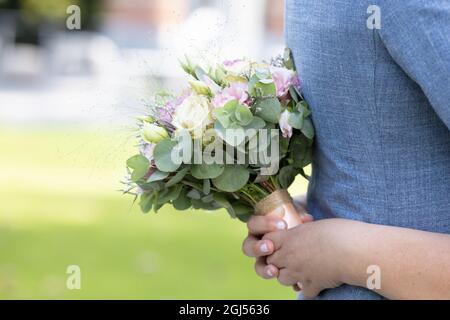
[281,225]
[264,247]
[269,272]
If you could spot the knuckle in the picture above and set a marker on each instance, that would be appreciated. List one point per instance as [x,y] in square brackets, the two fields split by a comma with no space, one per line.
[251,222]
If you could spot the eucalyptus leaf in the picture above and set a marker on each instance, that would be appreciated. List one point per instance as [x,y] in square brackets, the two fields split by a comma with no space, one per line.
[183,202]
[206,186]
[287,176]
[234,135]
[170,194]
[222,116]
[223,202]
[207,171]
[269,109]
[157,176]
[242,211]
[163,156]
[308,129]
[295,120]
[140,166]
[256,123]
[194,194]
[177,177]
[293,94]
[257,88]
[233,178]
[146,202]
[243,115]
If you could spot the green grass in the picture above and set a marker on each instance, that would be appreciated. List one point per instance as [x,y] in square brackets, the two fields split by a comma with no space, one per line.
[59,207]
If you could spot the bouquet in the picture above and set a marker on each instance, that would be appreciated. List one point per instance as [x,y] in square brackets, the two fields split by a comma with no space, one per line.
[235,138]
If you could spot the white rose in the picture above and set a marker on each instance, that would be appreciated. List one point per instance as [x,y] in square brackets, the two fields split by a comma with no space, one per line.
[194,115]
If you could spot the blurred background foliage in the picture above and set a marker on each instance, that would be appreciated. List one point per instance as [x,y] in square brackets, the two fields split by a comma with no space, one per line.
[67,106]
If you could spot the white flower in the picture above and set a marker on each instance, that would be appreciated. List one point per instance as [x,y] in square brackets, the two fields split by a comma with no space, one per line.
[193,115]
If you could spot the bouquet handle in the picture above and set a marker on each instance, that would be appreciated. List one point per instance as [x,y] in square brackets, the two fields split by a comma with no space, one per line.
[279,198]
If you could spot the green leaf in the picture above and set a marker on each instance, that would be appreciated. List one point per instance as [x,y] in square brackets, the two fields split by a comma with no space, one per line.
[284,146]
[208,198]
[243,115]
[162,156]
[293,94]
[152,186]
[206,186]
[194,194]
[199,204]
[140,166]
[222,116]
[170,194]
[287,175]
[146,202]
[256,123]
[295,120]
[242,211]
[207,171]
[233,135]
[308,129]
[177,177]
[182,202]
[269,110]
[261,88]
[157,176]
[233,178]
[223,202]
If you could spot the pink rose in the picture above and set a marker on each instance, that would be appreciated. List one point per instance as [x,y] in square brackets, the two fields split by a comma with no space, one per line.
[283,79]
[286,129]
[236,91]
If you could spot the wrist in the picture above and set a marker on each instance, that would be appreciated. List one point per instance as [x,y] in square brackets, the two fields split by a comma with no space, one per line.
[353,251]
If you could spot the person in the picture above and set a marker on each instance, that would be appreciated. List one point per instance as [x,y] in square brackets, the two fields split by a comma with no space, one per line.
[379,92]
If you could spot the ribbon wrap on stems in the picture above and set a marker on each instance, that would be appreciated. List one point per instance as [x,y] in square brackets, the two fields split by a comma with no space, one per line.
[279,198]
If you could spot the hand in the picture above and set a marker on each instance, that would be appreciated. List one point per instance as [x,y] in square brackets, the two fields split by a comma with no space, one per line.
[310,254]
[258,226]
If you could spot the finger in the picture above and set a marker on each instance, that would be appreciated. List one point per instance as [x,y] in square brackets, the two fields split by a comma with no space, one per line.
[265,271]
[253,247]
[278,259]
[285,278]
[276,238]
[259,225]
[306,217]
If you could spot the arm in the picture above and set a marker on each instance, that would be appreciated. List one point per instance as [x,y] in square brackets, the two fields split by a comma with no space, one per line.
[417,35]
[327,253]
[414,264]
[323,254]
